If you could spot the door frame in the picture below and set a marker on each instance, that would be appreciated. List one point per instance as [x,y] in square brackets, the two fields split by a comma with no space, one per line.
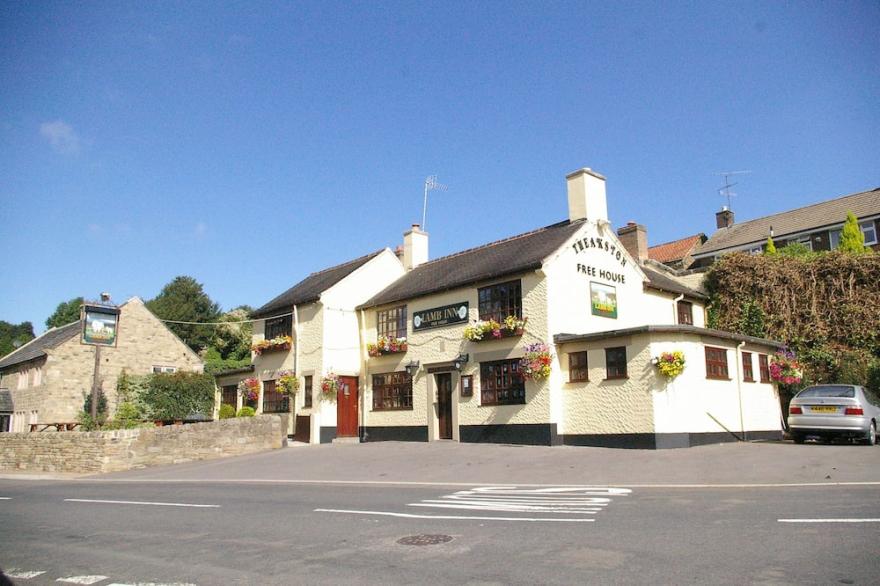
[355,405]
[433,402]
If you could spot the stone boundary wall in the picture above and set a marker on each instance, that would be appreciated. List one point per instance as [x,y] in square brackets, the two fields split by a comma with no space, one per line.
[113,451]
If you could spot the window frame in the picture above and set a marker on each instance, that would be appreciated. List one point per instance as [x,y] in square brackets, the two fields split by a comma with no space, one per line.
[227,390]
[392,390]
[308,391]
[500,300]
[467,385]
[278,326]
[764,367]
[716,369]
[688,313]
[511,384]
[867,226]
[578,371]
[609,364]
[748,368]
[391,323]
[271,397]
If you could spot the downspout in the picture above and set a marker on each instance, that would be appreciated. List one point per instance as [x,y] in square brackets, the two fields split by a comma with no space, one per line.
[675,308]
[739,377]
[295,359]
[362,411]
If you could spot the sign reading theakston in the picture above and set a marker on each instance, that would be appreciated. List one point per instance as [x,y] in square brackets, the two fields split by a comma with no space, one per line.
[440,316]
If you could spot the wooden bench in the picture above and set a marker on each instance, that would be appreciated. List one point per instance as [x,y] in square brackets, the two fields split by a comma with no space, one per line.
[64,426]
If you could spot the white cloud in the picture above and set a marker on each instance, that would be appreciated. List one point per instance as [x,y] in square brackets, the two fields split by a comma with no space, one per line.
[61,136]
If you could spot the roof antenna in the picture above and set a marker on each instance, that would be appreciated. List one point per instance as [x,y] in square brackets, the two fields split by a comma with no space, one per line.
[430,185]
[725,190]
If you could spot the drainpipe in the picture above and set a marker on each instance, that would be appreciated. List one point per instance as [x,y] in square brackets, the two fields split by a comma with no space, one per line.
[675,308]
[739,377]
[295,358]
[362,397]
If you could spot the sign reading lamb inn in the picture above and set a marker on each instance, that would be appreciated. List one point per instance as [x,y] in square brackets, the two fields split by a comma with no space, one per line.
[440,316]
[100,324]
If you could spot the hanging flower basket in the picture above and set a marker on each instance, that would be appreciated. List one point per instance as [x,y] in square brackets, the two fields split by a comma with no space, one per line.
[287,382]
[535,364]
[785,369]
[670,364]
[385,345]
[277,344]
[249,389]
[481,331]
[329,386]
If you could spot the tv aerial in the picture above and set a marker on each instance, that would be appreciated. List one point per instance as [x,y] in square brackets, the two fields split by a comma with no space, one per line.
[725,191]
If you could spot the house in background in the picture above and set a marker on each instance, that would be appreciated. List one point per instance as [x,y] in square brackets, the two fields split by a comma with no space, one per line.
[678,254]
[49,377]
[817,226]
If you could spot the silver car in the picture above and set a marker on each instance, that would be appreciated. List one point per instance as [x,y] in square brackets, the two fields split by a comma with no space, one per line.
[829,411]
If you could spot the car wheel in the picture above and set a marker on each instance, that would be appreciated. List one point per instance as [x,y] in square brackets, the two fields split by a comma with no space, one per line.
[871,439]
[798,438]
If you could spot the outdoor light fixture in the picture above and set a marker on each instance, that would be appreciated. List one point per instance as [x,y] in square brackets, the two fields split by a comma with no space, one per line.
[412,368]
[460,361]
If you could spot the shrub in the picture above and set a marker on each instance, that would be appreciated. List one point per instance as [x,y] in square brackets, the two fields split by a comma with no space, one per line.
[227,411]
[102,404]
[852,240]
[246,412]
[873,382]
[177,395]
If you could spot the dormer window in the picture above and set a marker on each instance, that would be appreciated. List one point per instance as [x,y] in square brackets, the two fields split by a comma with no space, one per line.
[278,326]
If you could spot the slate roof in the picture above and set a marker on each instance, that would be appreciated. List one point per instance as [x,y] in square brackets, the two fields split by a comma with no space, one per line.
[5,401]
[37,347]
[676,250]
[665,329]
[512,255]
[811,217]
[657,280]
[310,288]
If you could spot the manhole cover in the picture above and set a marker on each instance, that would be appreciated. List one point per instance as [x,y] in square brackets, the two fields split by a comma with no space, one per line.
[424,539]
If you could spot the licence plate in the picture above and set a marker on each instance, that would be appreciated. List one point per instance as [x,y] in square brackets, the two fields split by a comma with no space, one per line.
[823,409]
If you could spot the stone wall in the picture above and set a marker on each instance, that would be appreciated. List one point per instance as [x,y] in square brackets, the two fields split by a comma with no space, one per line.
[112,451]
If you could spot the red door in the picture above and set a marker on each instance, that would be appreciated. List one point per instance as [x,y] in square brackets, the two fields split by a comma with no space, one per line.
[347,407]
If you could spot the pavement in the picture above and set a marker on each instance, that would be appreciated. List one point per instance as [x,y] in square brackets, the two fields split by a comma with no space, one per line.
[439,463]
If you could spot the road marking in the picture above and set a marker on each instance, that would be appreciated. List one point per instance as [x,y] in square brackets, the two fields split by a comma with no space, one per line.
[583,500]
[463,517]
[142,503]
[23,574]
[828,520]
[5,498]
[152,584]
[82,579]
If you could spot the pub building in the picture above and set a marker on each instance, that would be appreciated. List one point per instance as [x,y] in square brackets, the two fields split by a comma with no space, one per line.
[549,337]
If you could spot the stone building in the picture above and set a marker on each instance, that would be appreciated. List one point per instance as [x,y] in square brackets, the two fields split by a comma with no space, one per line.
[49,377]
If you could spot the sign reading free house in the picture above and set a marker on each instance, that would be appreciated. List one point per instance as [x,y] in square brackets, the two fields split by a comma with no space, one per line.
[440,316]
[603,300]
[100,324]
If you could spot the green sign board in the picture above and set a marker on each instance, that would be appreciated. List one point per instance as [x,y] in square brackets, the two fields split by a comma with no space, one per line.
[100,325]
[440,316]
[603,300]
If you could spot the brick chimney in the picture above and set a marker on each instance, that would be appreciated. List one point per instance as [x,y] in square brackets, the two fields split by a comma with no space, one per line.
[586,196]
[415,247]
[724,218]
[634,238]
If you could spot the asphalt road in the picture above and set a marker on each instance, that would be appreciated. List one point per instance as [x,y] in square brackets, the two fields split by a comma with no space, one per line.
[282,532]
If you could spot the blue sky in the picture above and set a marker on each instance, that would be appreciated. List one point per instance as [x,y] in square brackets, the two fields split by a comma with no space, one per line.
[249,144]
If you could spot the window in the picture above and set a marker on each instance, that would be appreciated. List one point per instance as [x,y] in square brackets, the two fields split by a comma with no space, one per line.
[501,300]
[278,326]
[834,236]
[764,368]
[615,363]
[806,241]
[500,383]
[23,378]
[307,392]
[577,367]
[716,363]
[274,401]
[686,313]
[5,419]
[391,323]
[229,395]
[748,374]
[870,232]
[38,376]
[392,391]
[164,369]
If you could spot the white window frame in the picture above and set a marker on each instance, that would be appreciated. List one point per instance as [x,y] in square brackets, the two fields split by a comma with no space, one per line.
[869,227]
[834,238]
[157,369]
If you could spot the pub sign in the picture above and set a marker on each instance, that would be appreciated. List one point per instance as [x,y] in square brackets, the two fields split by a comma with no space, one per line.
[440,316]
[100,325]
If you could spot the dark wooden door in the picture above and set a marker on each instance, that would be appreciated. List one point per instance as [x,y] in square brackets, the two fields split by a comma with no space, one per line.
[347,407]
[303,429]
[444,404]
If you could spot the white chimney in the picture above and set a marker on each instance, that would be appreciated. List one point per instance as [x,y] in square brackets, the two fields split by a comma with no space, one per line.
[586,196]
[415,248]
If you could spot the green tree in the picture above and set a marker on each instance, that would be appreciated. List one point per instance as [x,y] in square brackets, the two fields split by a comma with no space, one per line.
[66,312]
[852,239]
[771,248]
[178,395]
[184,299]
[751,321]
[232,338]
[796,250]
[14,336]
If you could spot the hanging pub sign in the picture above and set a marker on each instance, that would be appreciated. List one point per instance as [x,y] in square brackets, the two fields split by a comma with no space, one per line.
[603,300]
[100,324]
[440,316]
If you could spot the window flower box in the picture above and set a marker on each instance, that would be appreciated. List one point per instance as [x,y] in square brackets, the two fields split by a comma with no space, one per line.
[385,345]
[480,330]
[277,344]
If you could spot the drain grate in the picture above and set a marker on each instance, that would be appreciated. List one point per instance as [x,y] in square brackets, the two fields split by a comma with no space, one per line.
[424,539]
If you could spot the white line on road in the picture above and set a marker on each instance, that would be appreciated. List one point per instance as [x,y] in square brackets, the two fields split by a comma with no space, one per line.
[5,498]
[23,574]
[152,584]
[142,503]
[411,516]
[505,508]
[81,579]
[829,520]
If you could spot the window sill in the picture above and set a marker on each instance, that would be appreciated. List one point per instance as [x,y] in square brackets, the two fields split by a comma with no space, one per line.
[748,380]
[622,377]
[500,404]
[726,378]
[578,380]
[380,409]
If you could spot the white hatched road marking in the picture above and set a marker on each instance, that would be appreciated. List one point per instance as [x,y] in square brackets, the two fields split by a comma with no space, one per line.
[82,579]
[106,502]
[828,520]
[23,574]
[465,517]
[151,584]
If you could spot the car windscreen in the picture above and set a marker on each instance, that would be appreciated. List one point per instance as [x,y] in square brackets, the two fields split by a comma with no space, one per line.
[828,392]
